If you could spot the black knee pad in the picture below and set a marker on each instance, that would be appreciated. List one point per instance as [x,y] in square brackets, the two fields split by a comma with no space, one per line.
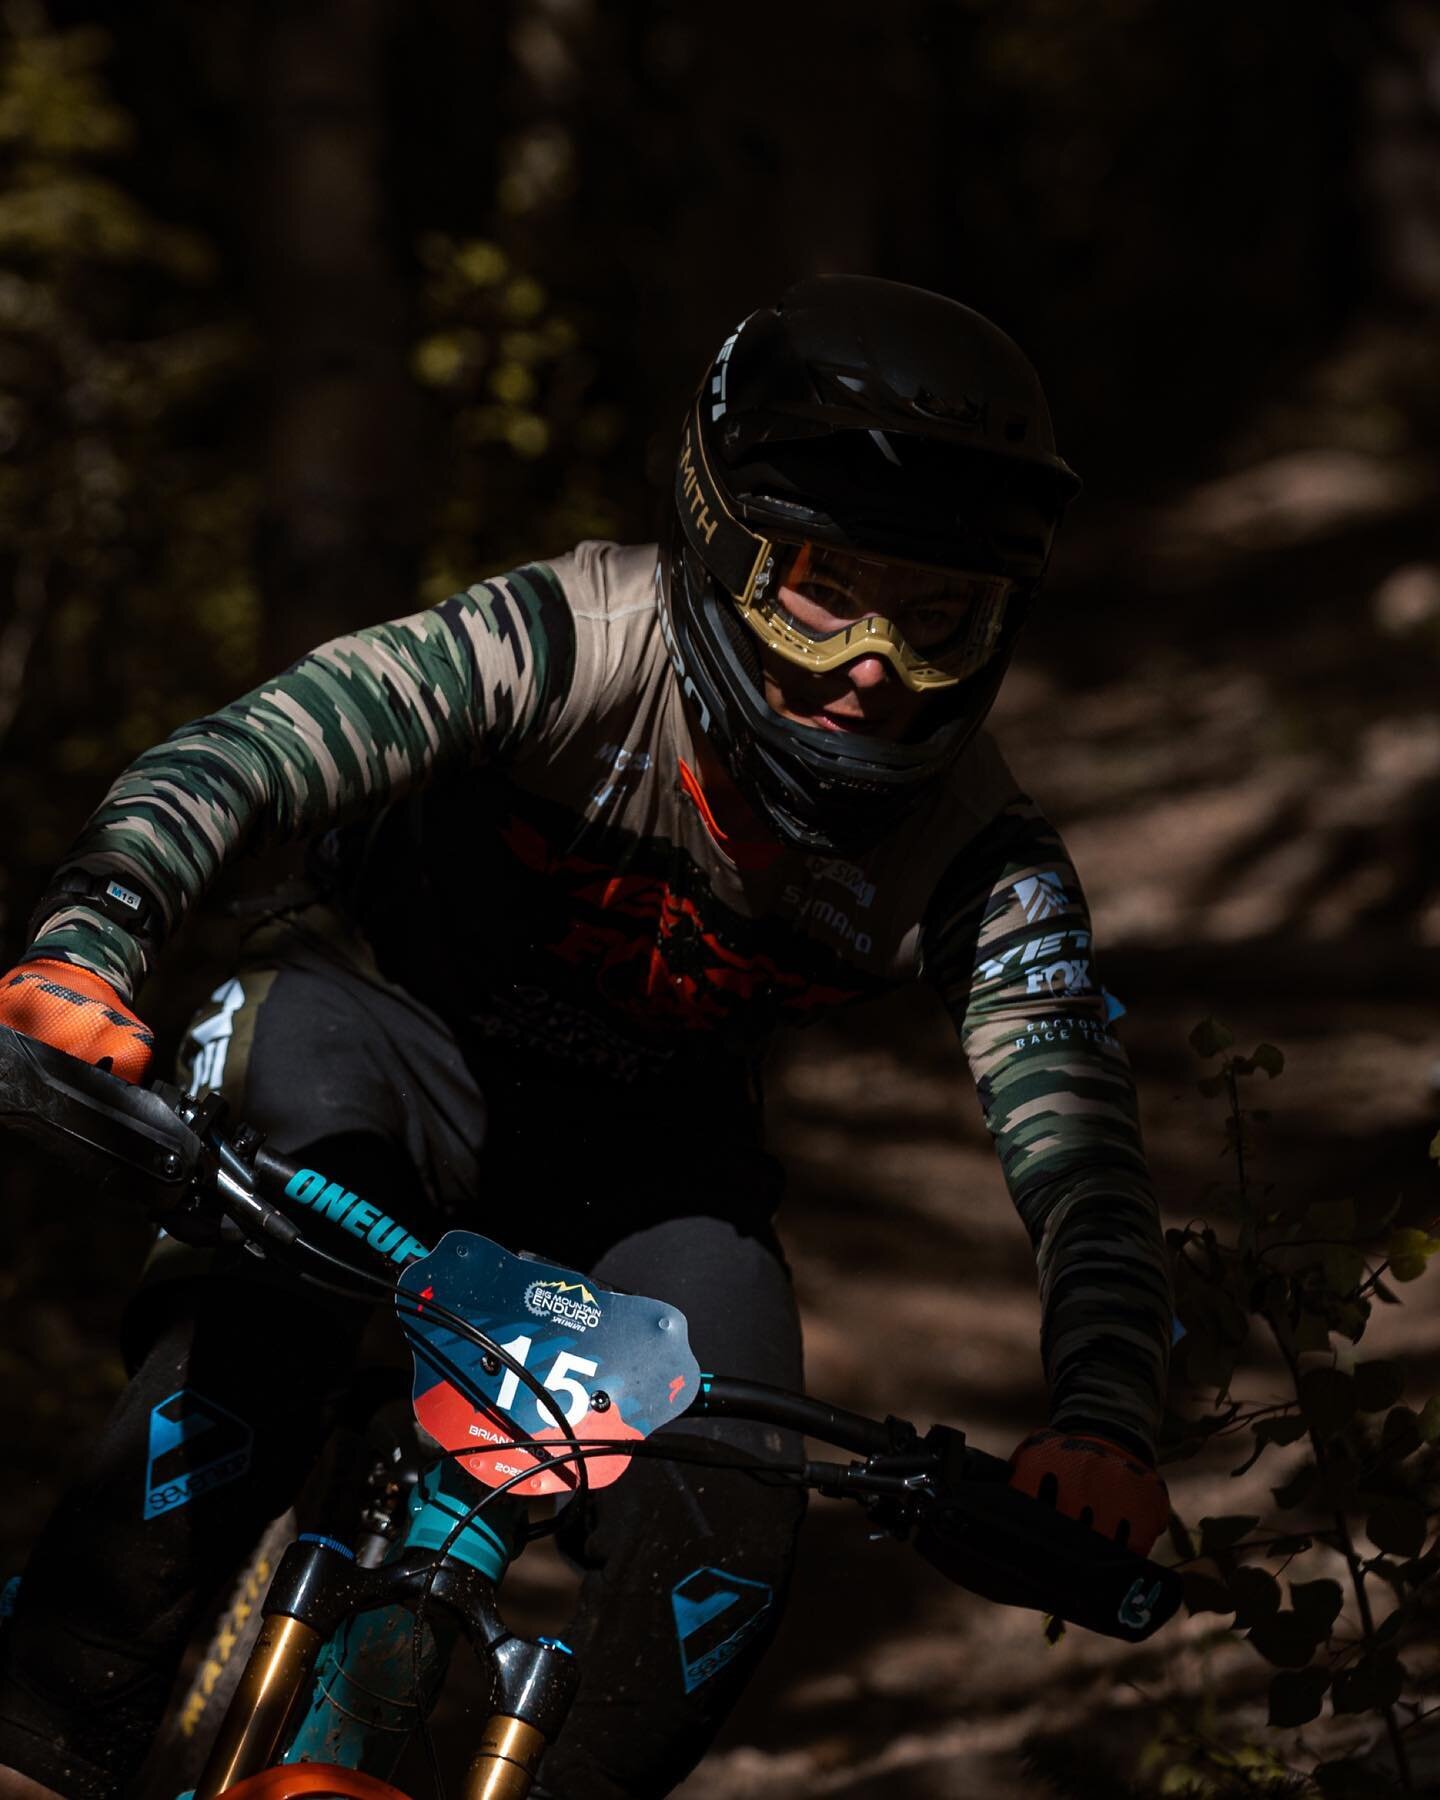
[687,1572]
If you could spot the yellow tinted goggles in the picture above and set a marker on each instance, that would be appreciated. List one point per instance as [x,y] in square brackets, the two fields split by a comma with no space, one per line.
[821,607]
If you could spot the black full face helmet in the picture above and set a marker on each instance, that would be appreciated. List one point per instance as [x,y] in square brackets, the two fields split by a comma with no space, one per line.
[864,425]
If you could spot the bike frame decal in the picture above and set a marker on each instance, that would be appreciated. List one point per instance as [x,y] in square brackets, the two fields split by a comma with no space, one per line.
[195,1446]
[716,1615]
[619,1365]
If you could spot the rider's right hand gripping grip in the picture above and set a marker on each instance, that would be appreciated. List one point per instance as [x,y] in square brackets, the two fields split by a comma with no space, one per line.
[1004,1546]
[999,1543]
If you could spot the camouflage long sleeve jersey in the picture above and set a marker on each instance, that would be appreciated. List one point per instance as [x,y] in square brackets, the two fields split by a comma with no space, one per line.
[544,870]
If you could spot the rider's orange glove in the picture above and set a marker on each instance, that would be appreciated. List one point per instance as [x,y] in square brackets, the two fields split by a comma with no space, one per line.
[1109,1489]
[75,1011]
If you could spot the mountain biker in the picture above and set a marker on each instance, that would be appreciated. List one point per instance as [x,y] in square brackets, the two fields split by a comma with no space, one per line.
[595,830]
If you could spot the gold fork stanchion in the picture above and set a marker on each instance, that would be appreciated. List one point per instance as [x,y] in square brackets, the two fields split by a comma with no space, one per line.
[506,1762]
[278,1669]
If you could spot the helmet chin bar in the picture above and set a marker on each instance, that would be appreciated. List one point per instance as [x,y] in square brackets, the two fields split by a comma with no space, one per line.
[820,790]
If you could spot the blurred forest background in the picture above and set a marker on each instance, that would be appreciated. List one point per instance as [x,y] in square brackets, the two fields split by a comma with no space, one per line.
[309,311]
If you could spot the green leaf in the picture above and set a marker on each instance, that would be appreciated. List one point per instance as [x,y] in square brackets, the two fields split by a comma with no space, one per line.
[1203,1593]
[1210,1037]
[1285,1640]
[1406,1268]
[1335,1491]
[1318,1603]
[1344,1268]
[1378,1384]
[1327,1398]
[1268,1058]
[1256,1594]
[1400,1434]
[1398,1526]
[1407,1242]
[1297,1488]
[1312,1333]
[1284,1428]
[1223,1533]
[1331,1218]
[1350,1318]
[1297,1695]
[1374,1683]
[1375,1214]
[1430,1420]
[1435,1146]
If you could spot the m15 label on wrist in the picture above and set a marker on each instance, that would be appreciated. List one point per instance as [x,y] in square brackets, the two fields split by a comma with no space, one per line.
[126,897]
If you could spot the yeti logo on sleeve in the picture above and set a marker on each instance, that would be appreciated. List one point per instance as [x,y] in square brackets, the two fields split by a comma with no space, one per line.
[1041,896]
[716,1615]
[195,1445]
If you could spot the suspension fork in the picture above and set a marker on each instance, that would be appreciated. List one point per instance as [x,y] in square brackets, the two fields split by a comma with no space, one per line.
[253,1728]
[534,1686]
[316,1588]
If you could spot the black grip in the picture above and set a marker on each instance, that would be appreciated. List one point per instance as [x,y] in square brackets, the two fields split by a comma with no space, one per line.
[727,1396]
[999,1543]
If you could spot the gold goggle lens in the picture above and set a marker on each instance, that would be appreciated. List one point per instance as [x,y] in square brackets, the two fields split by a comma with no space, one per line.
[821,608]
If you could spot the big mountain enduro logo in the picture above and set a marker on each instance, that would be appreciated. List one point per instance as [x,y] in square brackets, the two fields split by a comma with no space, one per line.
[566,1302]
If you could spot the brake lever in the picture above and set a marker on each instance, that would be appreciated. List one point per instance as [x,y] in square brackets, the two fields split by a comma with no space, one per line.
[893,1489]
[1000,1543]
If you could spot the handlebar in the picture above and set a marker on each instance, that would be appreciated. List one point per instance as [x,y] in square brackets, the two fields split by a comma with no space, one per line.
[202,1184]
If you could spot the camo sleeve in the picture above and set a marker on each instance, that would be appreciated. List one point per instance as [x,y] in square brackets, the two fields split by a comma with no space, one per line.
[1008,945]
[350,727]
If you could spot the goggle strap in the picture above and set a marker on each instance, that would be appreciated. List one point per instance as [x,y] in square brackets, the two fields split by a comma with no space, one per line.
[733,554]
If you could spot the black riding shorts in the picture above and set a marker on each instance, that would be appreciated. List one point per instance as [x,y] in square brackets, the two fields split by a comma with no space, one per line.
[685,1567]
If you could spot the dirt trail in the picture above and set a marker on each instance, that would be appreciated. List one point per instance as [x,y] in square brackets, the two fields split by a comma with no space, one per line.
[1254,811]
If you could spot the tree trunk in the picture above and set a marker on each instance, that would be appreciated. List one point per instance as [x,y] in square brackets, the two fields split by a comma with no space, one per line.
[340,518]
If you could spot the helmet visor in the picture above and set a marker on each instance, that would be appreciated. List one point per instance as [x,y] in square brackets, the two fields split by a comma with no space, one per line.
[821,607]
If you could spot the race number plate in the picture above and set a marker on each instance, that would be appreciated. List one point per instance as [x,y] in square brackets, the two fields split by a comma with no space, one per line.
[617,1365]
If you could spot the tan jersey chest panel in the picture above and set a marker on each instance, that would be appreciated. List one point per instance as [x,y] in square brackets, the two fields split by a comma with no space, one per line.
[612,755]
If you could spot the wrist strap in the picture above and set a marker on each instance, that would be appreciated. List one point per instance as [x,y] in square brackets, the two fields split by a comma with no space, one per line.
[121,902]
